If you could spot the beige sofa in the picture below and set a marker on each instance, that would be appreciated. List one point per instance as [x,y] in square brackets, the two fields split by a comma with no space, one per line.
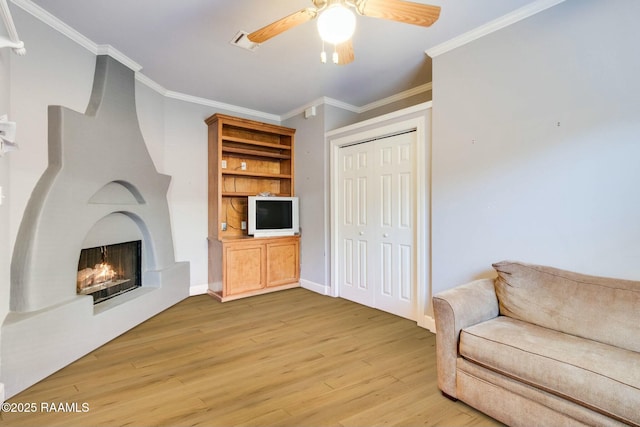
[542,346]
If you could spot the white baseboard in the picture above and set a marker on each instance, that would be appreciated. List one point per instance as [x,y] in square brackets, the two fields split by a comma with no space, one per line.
[315,287]
[312,286]
[425,321]
[198,290]
[428,322]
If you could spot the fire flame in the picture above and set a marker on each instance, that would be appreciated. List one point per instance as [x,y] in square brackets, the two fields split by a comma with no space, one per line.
[100,273]
[103,273]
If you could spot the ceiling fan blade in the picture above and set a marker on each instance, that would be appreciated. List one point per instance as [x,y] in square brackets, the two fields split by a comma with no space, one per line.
[345,52]
[282,25]
[400,10]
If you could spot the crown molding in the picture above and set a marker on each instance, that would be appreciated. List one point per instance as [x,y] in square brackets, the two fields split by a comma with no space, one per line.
[105,49]
[359,110]
[55,23]
[397,97]
[66,30]
[324,100]
[229,107]
[302,108]
[389,116]
[492,26]
[151,84]
[340,104]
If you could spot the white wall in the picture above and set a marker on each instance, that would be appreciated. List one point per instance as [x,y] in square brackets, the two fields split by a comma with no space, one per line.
[536,141]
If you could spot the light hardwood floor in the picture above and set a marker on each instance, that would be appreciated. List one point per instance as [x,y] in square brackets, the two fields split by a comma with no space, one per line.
[290,358]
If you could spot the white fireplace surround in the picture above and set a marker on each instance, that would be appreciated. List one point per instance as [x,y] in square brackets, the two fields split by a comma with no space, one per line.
[100,187]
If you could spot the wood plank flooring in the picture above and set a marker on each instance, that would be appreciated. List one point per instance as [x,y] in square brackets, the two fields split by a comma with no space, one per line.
[290,358]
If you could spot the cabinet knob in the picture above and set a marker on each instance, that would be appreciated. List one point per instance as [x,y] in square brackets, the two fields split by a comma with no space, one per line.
[361,233]
[385,235]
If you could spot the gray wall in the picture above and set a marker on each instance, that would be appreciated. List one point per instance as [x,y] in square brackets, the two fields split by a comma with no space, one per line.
[5,247]
[507,180]
[312,186]
[536,141]
[313,180]
[49,74]
[185,160]
[310,160]
[395,106]
[57,71]
[78,198]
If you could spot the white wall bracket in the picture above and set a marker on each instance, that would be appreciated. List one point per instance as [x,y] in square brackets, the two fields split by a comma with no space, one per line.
[7,135]
[13,41]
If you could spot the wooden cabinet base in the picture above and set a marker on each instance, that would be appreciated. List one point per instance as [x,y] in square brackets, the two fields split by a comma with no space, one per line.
[254,266]
[218,295]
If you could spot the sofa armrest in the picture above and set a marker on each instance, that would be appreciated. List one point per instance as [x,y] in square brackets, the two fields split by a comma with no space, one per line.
[455,309]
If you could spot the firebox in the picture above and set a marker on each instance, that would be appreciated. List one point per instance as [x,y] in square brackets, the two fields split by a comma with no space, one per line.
[107,271]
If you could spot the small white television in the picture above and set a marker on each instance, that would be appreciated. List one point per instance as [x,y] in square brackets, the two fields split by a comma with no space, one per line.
[273,216]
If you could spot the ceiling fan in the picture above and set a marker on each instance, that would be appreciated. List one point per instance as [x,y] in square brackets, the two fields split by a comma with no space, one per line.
[336,21]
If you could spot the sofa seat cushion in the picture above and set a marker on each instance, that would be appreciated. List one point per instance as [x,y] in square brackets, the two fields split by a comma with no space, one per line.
[596,375]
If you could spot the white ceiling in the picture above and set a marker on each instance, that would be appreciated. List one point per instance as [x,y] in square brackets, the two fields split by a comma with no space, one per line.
[184,46]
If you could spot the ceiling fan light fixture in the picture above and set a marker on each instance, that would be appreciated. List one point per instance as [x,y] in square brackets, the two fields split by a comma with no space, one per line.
[336,24]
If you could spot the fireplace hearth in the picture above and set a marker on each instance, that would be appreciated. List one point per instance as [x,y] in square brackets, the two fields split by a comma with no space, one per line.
[108,271]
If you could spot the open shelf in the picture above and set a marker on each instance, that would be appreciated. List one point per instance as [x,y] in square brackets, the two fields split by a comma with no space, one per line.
[245,194]
[253,142]
[254,174]
[255,153]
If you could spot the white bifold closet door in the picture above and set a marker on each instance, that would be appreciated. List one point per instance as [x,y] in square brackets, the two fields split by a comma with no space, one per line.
[376,222]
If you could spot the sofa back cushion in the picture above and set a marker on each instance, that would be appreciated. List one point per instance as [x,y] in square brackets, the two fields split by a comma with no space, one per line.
[598,308]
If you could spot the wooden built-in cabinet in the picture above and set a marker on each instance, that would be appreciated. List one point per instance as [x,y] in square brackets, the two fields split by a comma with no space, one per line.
[255,266]
[247,158]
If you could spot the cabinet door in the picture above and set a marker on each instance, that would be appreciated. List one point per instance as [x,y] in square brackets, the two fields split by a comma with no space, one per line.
[244,267]
[283,262]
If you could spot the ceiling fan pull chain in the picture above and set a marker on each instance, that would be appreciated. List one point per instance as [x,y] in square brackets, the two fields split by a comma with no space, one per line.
[335,55]
[323,54]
